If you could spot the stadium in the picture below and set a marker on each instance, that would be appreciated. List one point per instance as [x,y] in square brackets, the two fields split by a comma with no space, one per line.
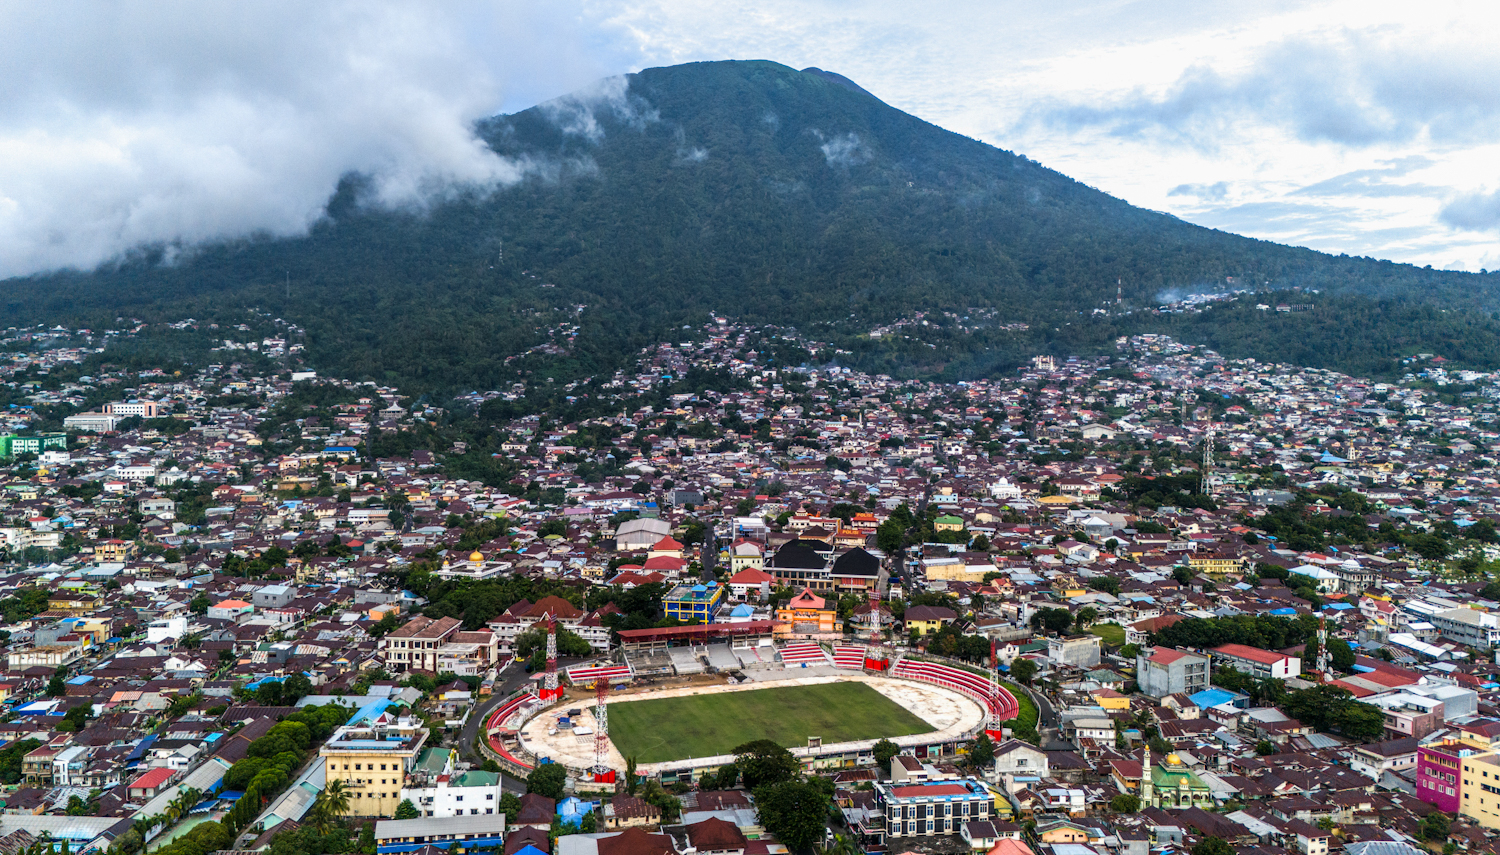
[683,698]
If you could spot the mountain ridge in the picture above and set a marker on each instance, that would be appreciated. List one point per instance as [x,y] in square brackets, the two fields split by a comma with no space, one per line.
[740,187]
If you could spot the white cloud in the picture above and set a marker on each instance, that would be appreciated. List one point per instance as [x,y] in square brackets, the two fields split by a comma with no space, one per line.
[176,122]
[843,150]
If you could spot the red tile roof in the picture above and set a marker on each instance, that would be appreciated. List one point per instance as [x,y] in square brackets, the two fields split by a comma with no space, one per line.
[1254,654]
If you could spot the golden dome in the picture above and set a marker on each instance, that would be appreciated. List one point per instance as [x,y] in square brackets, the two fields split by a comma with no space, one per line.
[1174,760]
[476,557]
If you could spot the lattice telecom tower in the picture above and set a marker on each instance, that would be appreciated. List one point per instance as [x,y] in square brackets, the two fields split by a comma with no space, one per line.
[993,724]
[876,658]
[1208,463]
[601,724]
[550,691]
[1323,646]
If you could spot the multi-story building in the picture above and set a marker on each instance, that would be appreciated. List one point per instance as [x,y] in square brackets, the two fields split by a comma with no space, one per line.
[1469,627]
[925,620]
[1440,773]
[1077,651]
[936,807]
[414,647]
[1261,664]
[1480,790]
[807,614]
[94,422]
[144,409]
[525,614]
[1162,671]
[12,445]
[1409,714]
[472,793]
[372,756]
[797,565]
[700,603]
[1440,764]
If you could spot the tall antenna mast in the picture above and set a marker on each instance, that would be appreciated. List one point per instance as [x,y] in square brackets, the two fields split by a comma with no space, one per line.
[1208,463]
[550,691]
[601,730]
[1323,646]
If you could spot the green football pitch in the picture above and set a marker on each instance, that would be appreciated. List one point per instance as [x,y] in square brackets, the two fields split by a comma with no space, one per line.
[654,731]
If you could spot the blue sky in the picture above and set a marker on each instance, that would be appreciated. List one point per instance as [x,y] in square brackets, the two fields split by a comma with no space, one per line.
[1366,128]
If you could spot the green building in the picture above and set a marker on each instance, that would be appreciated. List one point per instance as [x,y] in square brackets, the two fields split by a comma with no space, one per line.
[12,445]
[1173,785]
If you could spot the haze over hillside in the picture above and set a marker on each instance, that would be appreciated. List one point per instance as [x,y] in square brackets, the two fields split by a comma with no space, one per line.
[744,188]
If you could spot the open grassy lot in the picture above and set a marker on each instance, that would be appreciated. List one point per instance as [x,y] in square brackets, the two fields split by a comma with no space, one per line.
[1112,633]
[654,731]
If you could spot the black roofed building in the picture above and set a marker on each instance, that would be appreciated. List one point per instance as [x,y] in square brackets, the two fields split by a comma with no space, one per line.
[856,570]
[796,565]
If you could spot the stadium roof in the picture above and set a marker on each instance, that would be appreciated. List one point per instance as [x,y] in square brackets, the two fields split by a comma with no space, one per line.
[720,630]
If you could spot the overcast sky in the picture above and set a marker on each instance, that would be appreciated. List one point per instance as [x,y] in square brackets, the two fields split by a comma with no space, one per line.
[1361,127]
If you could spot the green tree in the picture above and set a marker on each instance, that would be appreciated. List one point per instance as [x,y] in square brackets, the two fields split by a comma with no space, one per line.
[199,604]
[510,805]
[1024,670]
[1125,803]
[632,778]
[981,753]
[1435,827]
[795,811]
[330,804]
[407,810]
[885,750]
[387,624]
[763,762]
[1213,846]
[1265,747]
[547,779]
[1085,617]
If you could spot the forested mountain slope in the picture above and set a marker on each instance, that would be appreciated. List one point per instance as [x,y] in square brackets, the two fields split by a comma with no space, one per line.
[744,188]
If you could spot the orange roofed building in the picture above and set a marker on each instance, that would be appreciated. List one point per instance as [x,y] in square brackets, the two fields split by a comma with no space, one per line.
[806,615]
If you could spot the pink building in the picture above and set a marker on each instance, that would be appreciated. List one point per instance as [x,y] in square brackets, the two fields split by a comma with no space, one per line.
[1440,774]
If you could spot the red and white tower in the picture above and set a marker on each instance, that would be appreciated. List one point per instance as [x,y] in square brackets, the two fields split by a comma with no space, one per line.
[550,691]
[876,657]
[602,773]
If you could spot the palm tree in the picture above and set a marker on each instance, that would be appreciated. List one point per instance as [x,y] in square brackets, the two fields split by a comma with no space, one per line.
[330,804]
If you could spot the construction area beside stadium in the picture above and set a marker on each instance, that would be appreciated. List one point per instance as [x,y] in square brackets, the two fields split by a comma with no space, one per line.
[678,703]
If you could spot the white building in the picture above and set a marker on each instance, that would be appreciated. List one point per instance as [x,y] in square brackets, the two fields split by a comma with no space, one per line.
[96,422]
[471,793]
[160,630]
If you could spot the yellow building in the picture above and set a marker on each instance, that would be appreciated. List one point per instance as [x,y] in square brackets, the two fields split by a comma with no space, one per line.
[1109,699]
[372,756]
[72,602]
[1216,563]
[958,571]
[1481,789]
[1068,586]
[106,551]
[924,620]
[948,522]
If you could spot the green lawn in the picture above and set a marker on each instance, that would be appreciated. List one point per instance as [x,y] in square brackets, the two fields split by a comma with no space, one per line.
[1027,716]
[1112,633]
[664,729]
